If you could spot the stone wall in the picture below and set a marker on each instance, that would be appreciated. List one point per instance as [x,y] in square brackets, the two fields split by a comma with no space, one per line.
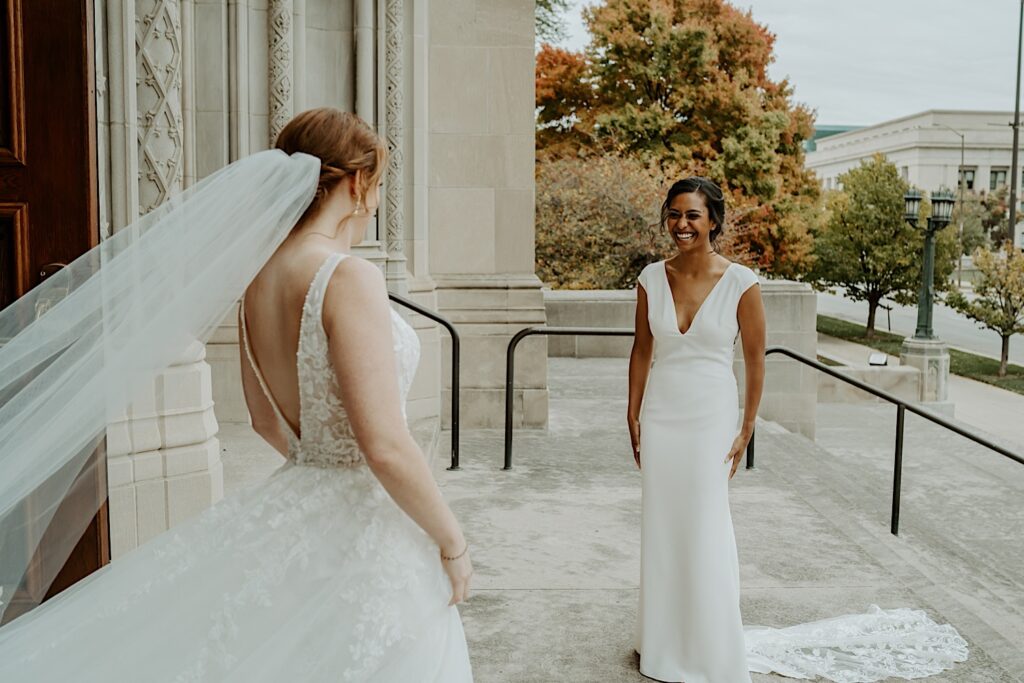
[900,380]
[790,392]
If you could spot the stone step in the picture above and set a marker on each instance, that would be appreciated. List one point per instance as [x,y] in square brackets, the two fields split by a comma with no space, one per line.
[872,496]
[972,590]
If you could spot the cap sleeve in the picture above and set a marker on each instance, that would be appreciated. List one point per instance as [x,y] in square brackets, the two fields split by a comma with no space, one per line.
[644,277]
[748,278]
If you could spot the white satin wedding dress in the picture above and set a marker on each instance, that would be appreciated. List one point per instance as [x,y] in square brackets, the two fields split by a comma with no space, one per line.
[689,626]
[314,574]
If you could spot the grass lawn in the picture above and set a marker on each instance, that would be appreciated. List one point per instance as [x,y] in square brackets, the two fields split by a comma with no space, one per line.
[980,368]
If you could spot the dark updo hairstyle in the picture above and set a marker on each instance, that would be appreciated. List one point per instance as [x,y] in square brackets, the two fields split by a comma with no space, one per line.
[713,198]
[343,142]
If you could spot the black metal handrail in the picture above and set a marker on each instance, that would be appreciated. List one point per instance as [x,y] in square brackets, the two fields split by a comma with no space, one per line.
[901,405]
[447,324]
[510,364]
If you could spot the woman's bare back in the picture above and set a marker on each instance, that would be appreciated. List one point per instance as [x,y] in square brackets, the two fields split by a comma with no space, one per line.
[273,313]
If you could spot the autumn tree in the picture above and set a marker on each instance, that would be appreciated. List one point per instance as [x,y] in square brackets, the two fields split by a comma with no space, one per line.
[598,220]
[684,85]
[999,296]
[867,248]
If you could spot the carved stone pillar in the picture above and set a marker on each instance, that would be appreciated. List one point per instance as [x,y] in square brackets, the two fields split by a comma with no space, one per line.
[282,102]
[394,82]
[158,51]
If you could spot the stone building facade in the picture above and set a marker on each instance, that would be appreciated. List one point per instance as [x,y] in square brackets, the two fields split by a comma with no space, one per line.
[925,148]
[185,87]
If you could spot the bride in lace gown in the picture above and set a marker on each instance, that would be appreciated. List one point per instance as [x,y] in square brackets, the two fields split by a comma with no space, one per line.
[346,563]
[688,441]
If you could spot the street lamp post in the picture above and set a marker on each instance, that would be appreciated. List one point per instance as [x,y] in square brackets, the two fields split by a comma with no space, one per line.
[1016,131]
[924,350]
[942,209]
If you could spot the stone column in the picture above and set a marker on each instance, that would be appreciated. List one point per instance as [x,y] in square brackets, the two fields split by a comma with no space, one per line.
[299,58]
[160,124]
[365,44]
[282,106]
[394,186]
[790,389]
[481,196]
[425,394]
[239,139]
[365,85]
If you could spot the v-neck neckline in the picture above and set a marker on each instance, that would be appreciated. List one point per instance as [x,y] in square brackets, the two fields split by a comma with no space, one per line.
[672,299]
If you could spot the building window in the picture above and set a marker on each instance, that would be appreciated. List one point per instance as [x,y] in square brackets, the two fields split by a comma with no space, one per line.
[905,173]
[967,177]
[997,178]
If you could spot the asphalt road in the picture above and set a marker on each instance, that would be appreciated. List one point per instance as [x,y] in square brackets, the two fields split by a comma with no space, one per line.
[950,326]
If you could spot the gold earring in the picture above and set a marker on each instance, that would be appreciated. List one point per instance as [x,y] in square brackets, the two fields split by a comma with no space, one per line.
[360,209]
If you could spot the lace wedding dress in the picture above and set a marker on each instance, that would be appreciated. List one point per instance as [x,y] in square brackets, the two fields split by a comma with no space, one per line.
[314,574]
[689,626]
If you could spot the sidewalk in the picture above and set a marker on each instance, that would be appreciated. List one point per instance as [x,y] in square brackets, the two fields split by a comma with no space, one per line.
[998,412]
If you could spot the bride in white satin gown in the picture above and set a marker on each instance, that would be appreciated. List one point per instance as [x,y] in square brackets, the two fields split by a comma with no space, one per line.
[345,564]
[687,439]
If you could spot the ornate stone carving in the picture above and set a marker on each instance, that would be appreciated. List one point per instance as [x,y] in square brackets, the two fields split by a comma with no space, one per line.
[394,16]
[281,49]
[158,87]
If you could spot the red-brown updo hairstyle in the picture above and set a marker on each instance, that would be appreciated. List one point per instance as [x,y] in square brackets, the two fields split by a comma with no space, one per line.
[343,142]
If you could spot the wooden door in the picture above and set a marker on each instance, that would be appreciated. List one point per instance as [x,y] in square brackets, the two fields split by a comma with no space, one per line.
[48,210]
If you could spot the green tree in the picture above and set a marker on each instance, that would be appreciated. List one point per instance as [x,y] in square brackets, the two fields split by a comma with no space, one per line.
[999,301]
[684,85]
[549,21]
[866,246]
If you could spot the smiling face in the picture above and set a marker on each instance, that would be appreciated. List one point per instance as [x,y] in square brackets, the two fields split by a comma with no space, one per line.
[689,223]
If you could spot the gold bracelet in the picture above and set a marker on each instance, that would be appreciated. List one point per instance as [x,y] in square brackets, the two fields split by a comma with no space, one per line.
[450,559]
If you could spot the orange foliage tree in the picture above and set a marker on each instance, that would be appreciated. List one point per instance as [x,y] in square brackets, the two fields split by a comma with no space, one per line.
[684,85]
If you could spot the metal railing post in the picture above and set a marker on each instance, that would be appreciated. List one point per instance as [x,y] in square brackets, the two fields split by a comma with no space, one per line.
[510,367]
[456,360]
[510,377]
[897,472]
[456,364]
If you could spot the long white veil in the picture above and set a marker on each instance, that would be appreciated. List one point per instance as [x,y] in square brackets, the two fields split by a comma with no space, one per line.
[75,349]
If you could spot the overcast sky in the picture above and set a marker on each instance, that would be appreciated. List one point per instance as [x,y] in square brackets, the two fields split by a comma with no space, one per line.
[865,61]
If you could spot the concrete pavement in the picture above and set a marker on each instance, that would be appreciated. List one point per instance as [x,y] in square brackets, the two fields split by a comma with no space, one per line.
[555,541]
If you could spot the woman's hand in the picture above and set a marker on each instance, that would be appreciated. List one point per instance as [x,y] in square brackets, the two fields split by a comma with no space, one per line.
[634,438]
[460,571]
[739,445]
